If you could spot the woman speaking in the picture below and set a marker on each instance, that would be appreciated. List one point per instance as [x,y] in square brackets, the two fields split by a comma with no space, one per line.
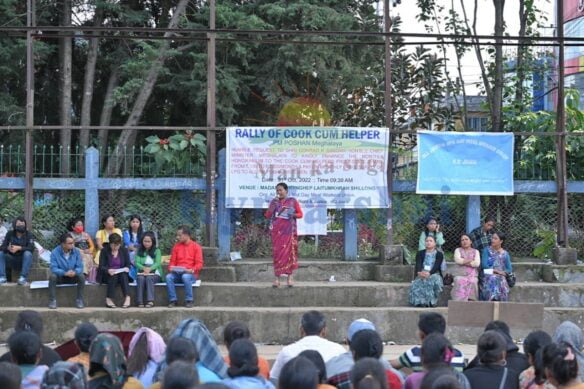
[283,212]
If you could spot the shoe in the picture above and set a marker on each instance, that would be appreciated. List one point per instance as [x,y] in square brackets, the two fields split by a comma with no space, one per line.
[140,305]
[3,280]
[172,304]
[79,304]
[188,304]
[53,304]
[127,303]
[22,281]
[149,304]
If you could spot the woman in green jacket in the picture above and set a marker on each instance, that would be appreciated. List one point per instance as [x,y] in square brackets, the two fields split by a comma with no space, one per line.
[149,268]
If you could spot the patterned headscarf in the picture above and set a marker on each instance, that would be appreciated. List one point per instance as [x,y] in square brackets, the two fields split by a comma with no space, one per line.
[107,351]
[156,345]
[205,345]
[65,375]
[571,334]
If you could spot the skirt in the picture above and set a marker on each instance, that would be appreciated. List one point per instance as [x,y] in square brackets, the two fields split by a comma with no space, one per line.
[425,292]
[465,288]
[494,288]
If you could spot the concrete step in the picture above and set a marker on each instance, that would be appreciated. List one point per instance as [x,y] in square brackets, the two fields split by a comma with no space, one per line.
[267,325]
[525,272]
[322,294]
[308,270]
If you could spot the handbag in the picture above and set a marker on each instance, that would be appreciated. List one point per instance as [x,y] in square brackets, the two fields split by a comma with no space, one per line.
[511,279]
[448,279]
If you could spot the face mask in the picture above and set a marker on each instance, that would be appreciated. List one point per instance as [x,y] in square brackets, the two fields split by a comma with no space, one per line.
[78,229]
[20,229]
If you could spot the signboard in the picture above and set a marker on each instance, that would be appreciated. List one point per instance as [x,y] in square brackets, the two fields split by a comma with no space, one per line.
[465,163]
[322,166]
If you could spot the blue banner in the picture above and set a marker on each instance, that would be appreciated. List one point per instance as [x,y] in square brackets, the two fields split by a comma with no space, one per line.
[465,163]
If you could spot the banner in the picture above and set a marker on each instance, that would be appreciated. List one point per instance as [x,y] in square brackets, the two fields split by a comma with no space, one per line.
[465,163]
[322,166]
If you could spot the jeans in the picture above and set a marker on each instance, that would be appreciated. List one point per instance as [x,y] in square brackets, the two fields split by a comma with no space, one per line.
[186,278]
[113,281]
[55,279]
[21,262]
[148,282]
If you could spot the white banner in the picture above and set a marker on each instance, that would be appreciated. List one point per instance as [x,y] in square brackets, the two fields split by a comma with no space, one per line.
[329,167]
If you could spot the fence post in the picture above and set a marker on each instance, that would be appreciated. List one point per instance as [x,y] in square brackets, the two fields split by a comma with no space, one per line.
[473,212]
[223,213]
[350,234]
[91,191]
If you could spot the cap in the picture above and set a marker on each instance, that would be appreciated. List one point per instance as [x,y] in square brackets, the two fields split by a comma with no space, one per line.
[358,325]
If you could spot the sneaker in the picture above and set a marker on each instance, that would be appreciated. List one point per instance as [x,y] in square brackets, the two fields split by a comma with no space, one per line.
[188,304]
[172,304]
[79,303]
[53,304]
[3,280]
[22,281]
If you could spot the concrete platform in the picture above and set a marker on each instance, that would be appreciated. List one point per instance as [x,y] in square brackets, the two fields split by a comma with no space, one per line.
[321,294]
[267,325]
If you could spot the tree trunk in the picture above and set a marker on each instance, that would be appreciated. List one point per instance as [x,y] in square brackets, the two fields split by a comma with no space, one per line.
[497,119]
[66,56]
[521,53]
[106,112]
[88,82]
[479,55]
[128,136]
[459,70]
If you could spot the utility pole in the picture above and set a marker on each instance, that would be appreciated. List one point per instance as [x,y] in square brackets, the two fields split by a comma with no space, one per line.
[561,173]
[388,119]
[28,167]
[211,200]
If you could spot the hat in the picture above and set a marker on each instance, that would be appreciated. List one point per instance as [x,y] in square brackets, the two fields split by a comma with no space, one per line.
[359,325]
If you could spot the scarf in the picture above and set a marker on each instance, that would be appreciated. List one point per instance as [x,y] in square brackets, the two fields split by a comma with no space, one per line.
[156,345]
[106,351]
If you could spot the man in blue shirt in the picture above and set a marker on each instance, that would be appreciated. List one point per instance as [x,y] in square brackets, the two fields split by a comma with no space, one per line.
[66,268]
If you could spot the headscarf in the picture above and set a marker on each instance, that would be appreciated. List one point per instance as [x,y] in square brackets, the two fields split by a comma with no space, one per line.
[571,334]
[65,375]
[156,345]
[107,351]
[207,349]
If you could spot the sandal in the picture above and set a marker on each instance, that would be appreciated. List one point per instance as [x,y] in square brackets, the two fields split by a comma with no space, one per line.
[276,284]
[127,303]
[112,305]
[290,282]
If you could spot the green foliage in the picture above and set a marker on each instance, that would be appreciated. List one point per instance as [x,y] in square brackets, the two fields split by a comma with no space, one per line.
[179,152]
[543,249]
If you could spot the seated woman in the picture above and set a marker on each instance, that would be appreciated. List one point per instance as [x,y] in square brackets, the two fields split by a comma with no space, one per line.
[244,370]
[114,266]
[85,244]
[147,349]
[427,284]
[432,229]
[466,271]
[107,367]
[133,235]
[496,263]
[149,269]
[492,370]
[108,224]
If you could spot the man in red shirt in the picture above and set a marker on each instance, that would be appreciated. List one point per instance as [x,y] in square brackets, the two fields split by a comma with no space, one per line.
[186,261]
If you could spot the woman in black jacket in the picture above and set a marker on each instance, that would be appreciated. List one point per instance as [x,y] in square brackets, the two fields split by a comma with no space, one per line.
[114,267]
[427,284]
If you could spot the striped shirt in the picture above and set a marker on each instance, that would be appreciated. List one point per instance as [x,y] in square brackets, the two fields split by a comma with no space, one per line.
[412,359]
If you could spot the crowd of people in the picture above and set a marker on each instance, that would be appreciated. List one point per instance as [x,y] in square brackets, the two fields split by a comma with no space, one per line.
[190,358]
[482,268]
[116,258]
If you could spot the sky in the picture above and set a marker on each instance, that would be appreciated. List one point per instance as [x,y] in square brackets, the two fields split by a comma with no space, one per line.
[485,26]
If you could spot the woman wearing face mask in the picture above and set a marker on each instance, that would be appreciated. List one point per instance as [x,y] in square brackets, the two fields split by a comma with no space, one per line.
[16,251]
[85,244]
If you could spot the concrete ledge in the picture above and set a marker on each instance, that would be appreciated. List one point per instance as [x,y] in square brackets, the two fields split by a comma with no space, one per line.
[394,273]
[324,294]
[267,325]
